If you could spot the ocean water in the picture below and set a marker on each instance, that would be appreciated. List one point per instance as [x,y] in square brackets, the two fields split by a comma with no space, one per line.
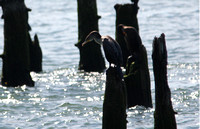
[64,97]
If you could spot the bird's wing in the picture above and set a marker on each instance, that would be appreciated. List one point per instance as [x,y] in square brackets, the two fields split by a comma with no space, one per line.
[110,50]
[120,57]
[134,37]
[118,52]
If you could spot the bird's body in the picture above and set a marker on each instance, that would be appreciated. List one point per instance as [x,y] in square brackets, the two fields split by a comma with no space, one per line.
[111,48]
[112,51]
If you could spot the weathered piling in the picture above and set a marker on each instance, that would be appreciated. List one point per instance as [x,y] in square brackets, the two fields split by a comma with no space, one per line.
[16,57]
[126,14]
[137,80]
[114,106]
[164,114]
[137,76]
[35,55]
[91,58]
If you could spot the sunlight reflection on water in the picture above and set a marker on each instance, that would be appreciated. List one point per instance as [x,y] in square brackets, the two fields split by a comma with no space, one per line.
[67,98]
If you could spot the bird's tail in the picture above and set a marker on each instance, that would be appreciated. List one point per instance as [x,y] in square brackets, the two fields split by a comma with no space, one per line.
[119,72]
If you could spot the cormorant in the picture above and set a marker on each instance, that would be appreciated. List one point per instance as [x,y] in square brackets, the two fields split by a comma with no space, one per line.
[111,48]
[131,37]
[137,76]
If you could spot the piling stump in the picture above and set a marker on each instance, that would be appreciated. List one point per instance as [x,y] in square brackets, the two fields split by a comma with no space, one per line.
[16,57]
[137,80]
[164,115]
[114,106]
[91,58]
[126,14]
[35,55]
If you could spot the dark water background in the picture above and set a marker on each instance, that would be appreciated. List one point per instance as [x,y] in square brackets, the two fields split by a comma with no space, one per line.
[67,98]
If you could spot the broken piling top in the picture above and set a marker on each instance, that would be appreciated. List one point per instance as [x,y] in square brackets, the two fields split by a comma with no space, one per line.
[12,5]
[159,56]
[159,48]
[135,1]
[126,14]
[164,114]
[35,55]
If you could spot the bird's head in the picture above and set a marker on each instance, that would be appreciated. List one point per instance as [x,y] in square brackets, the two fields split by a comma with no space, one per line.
[120,30]
[131,37]
[94,35]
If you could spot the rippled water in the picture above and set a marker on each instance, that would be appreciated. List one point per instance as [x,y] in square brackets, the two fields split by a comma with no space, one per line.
[64,97]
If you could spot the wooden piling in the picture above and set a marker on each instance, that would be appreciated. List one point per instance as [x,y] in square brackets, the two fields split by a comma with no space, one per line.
[35,55]
[91,58]
[137,80]
[164,114]
[16,57]
[126,14]
[114,106]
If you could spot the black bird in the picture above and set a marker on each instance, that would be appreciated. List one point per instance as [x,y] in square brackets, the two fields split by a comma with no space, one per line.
[111,48]
[131,37]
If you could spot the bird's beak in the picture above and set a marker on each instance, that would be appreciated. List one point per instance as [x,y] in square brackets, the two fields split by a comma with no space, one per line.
[85,42]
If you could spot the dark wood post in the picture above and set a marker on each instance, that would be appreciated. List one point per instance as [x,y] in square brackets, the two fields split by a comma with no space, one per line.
[126,14]
[16,57]
[91,58]
[35,55]
[114,106]
[137,80]
[164,114]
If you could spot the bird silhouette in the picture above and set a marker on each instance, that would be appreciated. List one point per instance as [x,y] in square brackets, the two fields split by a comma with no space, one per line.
[111,49]
[131,37]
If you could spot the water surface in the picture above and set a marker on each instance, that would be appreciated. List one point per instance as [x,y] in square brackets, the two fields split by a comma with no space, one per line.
[64,97]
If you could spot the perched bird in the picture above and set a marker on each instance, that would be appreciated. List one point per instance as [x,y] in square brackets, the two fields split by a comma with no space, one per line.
[131,37]
[111,48]
[137,77]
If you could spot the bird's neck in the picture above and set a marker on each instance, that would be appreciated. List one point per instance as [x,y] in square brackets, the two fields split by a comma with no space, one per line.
[99,41]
